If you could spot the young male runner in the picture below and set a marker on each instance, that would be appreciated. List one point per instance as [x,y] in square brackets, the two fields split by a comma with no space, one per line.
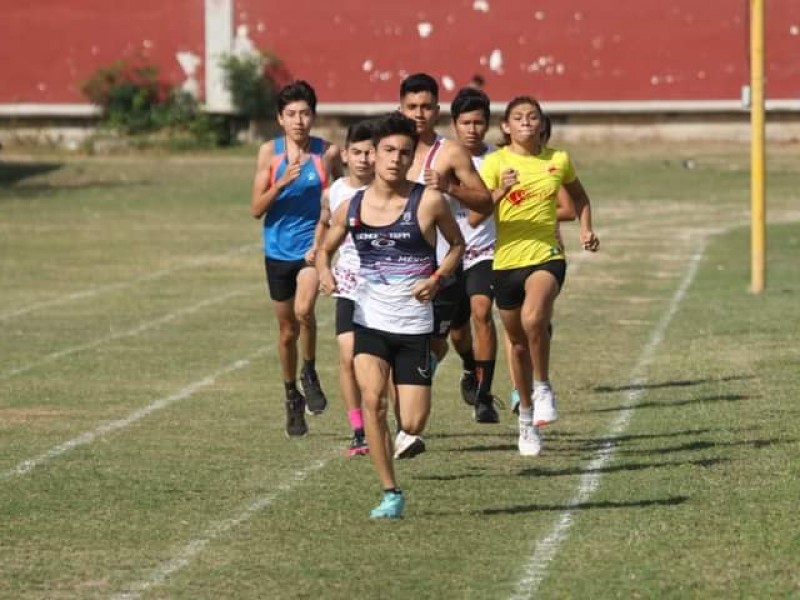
[291,173]
[445,166]
[394,225]
[470,113]
[358,156]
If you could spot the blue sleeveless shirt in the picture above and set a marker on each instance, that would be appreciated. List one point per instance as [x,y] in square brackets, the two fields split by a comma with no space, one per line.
[290,222]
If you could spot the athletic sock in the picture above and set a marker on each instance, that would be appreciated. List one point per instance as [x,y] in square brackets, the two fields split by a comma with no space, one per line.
[291,386]
[393,491]
[356,419]
[309,364]
[468,360]
[526,415]
[541,384]
[484,369]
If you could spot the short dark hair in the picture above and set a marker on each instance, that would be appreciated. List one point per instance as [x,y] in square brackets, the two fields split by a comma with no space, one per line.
[360,131]
[547,128]
[419,82]
[297,91]
[395,123]
[468,99]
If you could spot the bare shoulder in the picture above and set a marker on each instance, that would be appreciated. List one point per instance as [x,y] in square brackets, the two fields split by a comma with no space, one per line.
[455,151]
[265,152]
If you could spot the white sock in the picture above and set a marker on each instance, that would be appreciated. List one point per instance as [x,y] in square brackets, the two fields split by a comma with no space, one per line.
[541,384]
[525,415]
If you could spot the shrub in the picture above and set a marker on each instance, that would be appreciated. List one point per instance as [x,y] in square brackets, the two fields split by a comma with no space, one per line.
[130,94]
[253,81]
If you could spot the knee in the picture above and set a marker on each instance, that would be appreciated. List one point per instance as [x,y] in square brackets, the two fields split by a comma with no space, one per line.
[305,318]
[535,321]
[373,405]
[288,330]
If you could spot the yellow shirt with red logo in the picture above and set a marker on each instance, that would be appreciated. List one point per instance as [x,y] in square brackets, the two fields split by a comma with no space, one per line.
[525,217]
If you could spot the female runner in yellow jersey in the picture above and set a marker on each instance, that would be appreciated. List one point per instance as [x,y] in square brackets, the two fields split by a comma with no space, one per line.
[529,266]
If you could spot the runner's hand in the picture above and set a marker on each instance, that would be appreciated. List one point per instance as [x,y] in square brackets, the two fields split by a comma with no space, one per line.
[508,179]
[590,241]
[425,289]
[436,181]
[327,284]
[291,173]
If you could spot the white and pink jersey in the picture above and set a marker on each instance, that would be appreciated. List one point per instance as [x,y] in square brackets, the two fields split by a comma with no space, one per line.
[430,160]
[347,264]
[479,241]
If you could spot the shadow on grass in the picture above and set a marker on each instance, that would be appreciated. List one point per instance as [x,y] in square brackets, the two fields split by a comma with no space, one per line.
[14,172]
[545,472]
[708,445]
[631,387]
[669,404]
[572,438]
[530,508]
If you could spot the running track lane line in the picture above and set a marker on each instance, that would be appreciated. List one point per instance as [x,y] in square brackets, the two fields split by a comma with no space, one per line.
[101,289]
[546,548]
[90,436]
[148,325]
[166,569]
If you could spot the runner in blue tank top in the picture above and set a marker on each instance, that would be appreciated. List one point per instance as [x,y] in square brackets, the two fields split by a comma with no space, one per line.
[393,224]
[292,171]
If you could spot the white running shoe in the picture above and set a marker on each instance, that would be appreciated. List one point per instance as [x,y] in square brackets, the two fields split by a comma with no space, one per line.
[544,406]
[530,442]
[407,445]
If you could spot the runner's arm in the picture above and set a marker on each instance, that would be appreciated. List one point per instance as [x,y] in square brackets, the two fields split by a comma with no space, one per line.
[469,188]
[583,209]
[333,239]
[264,194]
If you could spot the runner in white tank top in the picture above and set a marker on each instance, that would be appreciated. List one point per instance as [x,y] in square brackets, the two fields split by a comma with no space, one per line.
[444,166]
[345,268]
[357,156]
[470,112]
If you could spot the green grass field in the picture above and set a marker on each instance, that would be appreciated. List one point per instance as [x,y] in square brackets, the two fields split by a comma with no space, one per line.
[142,452]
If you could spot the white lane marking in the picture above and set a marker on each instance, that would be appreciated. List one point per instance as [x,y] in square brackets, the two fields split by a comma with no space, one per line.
[88,437]
[102,289]
[217,529]
[122,334]
[547,547]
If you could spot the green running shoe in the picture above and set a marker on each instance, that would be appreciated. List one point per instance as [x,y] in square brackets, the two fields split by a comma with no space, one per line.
[391,506]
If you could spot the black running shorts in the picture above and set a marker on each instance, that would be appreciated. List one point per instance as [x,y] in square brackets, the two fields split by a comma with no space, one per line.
[409,355]
[282,277]
[344,315]
[509,284]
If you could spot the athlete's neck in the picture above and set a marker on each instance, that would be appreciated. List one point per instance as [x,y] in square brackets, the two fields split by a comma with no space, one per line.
[428,138]
[387,190]
[354,181]
[300,146]
[479,150]
[527,148]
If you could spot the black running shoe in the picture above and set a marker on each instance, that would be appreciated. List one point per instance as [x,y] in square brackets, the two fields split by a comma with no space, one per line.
[295,419]
[469,387]
[485,412]
[316,402]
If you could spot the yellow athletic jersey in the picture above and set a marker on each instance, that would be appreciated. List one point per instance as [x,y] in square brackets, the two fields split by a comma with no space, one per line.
[525,218]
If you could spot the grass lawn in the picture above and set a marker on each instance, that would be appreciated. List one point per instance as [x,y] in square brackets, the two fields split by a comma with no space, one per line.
[142,452]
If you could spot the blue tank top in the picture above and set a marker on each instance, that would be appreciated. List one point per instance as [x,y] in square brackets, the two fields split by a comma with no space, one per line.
[392,259]
[290,222]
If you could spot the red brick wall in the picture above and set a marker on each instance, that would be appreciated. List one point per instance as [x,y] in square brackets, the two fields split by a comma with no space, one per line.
[357,51]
